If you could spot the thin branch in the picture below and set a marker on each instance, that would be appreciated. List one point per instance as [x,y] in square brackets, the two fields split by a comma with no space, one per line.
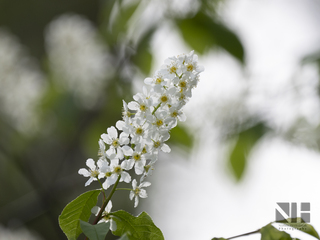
[245,234]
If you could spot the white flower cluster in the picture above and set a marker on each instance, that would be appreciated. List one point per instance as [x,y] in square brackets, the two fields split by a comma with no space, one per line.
[22,85]
[77,58]
[146,126]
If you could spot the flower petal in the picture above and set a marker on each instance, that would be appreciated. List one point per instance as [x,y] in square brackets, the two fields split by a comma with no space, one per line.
[131,195]
[91,164]
[143,193]
[120,124]
[125,177]
[84,172]
[108,207]
[145,184]
[136,201]
[127,150]
[89,181]
[148,81]
[95,210]
[165,148]
[112,132]
[133,105]
[106,138]
[113,225]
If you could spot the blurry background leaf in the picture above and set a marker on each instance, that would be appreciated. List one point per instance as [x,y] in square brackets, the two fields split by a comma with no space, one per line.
[202,33]
[122,18]
[181,137]
[245,142]
[143,56]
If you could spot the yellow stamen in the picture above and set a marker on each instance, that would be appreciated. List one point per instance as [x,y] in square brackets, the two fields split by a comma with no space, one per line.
[164,98]
[139,131]
[190,67]
[159,122]
[136,157]
[117,169]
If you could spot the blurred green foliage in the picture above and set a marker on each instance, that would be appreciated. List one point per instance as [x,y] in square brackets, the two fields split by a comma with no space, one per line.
[246,140]
[203,32]
[39,172]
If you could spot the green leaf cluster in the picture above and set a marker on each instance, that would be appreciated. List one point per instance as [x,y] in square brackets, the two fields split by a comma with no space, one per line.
[74,220]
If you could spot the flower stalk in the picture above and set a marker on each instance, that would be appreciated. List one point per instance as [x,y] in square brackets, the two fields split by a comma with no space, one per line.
[106,201]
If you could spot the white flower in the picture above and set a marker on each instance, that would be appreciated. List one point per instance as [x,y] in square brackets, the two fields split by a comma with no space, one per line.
[139,130]
[137,191]
[141,104]
[102,151]
[191,63]
[113,171]
[105,215]
[115,143]
[93,172]
[138,159]
[78,58]
[158,81]
[166,96]
[175,113]
[148,169]
[126,114]
[172,67]
[158,140]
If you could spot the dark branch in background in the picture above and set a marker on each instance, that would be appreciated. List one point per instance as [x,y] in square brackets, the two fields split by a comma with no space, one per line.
[245,234]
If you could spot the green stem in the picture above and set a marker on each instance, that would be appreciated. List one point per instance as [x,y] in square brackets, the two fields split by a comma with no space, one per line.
[128,189]
[156,108]
[245,234]
[179,76]
[106,201]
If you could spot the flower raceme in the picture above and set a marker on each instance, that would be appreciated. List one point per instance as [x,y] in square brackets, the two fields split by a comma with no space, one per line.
[135,141]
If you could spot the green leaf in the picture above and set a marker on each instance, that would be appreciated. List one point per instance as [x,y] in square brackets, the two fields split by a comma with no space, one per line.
[300,225]
[246,140]
[141,227]
[202,32]
[78,209]
[271,233]
[95,232]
